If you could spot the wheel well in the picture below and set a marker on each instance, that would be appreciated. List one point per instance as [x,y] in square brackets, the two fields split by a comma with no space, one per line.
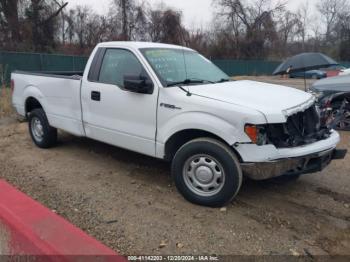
[341,98]
[31,104]
[182,137]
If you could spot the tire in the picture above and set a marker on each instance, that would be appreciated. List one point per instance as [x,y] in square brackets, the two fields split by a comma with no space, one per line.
[344,125]
[42,134]
[206,172]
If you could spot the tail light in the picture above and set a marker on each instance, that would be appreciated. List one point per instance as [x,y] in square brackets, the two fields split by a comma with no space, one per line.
[12,85]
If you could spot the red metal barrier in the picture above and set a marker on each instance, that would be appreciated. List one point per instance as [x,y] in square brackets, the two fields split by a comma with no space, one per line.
[28,228]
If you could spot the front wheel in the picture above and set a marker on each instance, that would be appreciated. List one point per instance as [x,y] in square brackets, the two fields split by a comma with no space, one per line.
[207,172]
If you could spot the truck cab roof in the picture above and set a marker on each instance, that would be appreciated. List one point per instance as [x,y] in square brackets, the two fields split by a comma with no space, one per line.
[140,45]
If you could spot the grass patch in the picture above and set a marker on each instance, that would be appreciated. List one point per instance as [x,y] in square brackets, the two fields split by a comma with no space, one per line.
[5,102]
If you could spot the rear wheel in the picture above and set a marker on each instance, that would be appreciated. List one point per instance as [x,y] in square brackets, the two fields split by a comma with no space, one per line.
[43,135]
[207,172]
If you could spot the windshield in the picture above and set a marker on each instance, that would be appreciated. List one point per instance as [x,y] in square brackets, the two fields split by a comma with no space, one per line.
[182,66]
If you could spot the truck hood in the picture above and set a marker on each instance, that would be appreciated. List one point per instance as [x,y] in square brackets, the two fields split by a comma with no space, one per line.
[274,101]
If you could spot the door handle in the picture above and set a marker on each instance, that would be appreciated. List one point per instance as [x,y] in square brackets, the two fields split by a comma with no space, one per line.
[96,96]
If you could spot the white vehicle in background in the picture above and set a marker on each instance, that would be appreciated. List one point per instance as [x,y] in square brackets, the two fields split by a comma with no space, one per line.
[171,103]
[344,72]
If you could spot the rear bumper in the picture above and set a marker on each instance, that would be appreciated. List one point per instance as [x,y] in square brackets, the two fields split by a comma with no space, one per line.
[292,166]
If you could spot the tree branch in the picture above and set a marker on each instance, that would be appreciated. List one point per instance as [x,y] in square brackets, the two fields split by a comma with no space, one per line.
[56,13]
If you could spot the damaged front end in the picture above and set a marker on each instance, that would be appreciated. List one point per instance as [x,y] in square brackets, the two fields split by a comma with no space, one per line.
[301,129]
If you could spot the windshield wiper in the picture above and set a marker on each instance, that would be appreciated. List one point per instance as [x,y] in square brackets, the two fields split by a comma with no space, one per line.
[189,81]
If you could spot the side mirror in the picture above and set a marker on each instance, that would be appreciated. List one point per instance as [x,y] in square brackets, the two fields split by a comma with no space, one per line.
[138,84]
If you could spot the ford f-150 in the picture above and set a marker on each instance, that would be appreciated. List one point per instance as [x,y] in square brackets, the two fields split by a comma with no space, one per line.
[172,103]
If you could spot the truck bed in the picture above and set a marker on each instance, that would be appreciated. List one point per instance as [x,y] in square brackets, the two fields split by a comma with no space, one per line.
[75,75]
[59,94]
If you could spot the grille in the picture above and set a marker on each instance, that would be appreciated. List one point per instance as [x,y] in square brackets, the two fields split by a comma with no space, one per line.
[300,129]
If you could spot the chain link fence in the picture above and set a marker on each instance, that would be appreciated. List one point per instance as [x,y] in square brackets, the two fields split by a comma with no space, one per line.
[10,61]
[252,67]
[246,67]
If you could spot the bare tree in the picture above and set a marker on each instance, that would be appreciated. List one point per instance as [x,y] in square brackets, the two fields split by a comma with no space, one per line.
[123,6]
[344,36]
[86,29]
[70,25]
[287,27]
[41,15]
[62,23]
[166,26]
[140,23]
[9,8]
[96,30]
[155,25]
[254,21]
[240,29]
[330,11]
[303,14]
[81,14]
[125,10]
[199,40]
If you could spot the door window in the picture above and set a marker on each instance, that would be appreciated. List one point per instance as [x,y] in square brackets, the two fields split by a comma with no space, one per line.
[116,64]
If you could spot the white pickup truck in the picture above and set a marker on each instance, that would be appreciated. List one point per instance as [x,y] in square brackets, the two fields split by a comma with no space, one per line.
[171,103]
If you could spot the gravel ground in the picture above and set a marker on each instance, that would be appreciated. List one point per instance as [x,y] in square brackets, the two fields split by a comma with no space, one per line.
[4,250]
[128,201]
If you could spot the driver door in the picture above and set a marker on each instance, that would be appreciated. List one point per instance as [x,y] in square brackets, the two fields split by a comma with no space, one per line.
[114,115]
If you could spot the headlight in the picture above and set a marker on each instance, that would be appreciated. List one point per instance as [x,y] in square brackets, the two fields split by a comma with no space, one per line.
[256,133]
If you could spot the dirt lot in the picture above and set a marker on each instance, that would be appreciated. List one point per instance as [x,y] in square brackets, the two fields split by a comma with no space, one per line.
[128,201]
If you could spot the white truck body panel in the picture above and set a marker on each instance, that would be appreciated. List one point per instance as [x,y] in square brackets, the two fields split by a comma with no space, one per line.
[263,97]
[60,98]
[130,119]
[140,123]
[129,122]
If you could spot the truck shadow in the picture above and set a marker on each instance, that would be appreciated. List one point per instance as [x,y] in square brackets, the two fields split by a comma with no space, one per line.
[134,165]
[145,169]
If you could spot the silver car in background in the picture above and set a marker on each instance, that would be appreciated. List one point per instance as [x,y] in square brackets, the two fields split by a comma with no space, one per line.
[334,94]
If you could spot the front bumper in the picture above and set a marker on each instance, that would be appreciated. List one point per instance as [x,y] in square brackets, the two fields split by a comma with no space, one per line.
[251,153]
[292,166]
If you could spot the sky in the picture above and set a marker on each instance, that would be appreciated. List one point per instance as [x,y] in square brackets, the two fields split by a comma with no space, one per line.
[196,13]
